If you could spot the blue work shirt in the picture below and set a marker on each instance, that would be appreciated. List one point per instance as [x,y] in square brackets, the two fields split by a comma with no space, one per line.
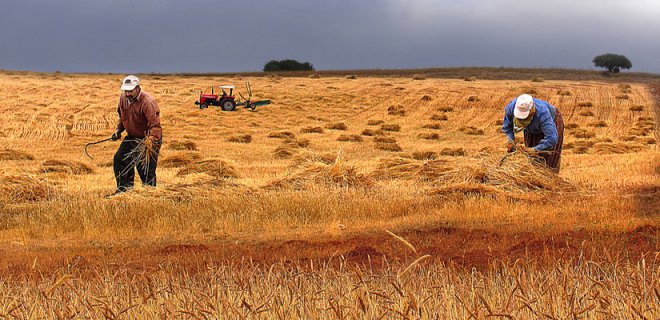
[543,122]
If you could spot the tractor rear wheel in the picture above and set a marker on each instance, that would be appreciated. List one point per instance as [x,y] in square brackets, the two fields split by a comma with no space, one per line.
[228,105]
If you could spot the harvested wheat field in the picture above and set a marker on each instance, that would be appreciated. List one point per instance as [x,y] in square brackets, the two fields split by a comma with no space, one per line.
[363,197]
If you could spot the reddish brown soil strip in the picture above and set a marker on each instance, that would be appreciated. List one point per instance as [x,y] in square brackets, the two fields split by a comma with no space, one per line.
[467,248]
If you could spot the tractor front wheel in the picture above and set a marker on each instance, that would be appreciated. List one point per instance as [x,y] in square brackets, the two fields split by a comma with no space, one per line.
[228,105]
[203,106]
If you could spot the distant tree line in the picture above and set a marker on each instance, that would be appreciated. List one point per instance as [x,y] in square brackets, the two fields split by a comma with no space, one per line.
[288,65]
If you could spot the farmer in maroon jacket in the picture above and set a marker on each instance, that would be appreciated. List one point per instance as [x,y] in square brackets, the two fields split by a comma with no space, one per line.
[139,116]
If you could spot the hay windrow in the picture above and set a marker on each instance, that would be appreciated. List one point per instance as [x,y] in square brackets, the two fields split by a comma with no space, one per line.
[217,168]
[24,188]
[336,175]
[12,154]
[66,166]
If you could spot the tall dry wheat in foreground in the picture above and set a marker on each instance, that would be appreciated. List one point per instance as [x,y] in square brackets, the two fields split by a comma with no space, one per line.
[282,212]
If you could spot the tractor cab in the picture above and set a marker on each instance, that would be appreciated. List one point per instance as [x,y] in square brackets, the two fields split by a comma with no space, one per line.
[224,92]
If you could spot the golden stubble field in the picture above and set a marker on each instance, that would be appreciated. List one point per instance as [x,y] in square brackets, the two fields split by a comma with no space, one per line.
[284,211]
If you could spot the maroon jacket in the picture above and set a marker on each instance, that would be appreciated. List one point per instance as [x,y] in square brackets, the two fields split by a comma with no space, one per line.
[139,117]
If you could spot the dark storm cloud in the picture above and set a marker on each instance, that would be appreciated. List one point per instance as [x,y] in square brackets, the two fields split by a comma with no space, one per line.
[207,36]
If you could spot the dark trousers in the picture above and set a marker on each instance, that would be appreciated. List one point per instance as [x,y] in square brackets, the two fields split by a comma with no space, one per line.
[124,165]
[552,158]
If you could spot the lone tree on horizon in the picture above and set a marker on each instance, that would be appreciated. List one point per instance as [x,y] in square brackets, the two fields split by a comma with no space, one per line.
[613,62]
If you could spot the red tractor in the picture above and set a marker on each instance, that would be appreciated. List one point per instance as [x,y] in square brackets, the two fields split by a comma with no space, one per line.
[226,100]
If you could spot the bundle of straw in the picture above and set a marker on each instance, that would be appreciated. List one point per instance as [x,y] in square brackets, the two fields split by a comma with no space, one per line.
[142,154]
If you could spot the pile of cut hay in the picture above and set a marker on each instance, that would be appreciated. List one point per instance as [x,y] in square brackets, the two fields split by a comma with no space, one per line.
[11,154]
[179,160]
[307,157]
[183,145]
[290,147]
[66,166]
[314,174]
[517,176]
[217,168]
[404,168]
[25,188]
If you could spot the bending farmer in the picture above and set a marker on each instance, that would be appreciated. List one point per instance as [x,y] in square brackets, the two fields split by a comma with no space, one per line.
[542,126]
[139,116]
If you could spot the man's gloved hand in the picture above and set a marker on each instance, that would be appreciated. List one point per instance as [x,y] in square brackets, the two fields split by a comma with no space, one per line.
[116,136]
[510,146]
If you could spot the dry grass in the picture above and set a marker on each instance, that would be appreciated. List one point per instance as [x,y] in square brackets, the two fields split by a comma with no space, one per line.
[24,188]
[637,108]
[302,235]
[375,122]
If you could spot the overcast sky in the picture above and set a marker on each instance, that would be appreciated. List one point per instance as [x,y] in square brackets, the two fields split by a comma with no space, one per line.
[138,36]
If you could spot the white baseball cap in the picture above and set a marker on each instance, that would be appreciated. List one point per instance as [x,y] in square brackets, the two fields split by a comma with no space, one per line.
[129,83]
[524,104]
